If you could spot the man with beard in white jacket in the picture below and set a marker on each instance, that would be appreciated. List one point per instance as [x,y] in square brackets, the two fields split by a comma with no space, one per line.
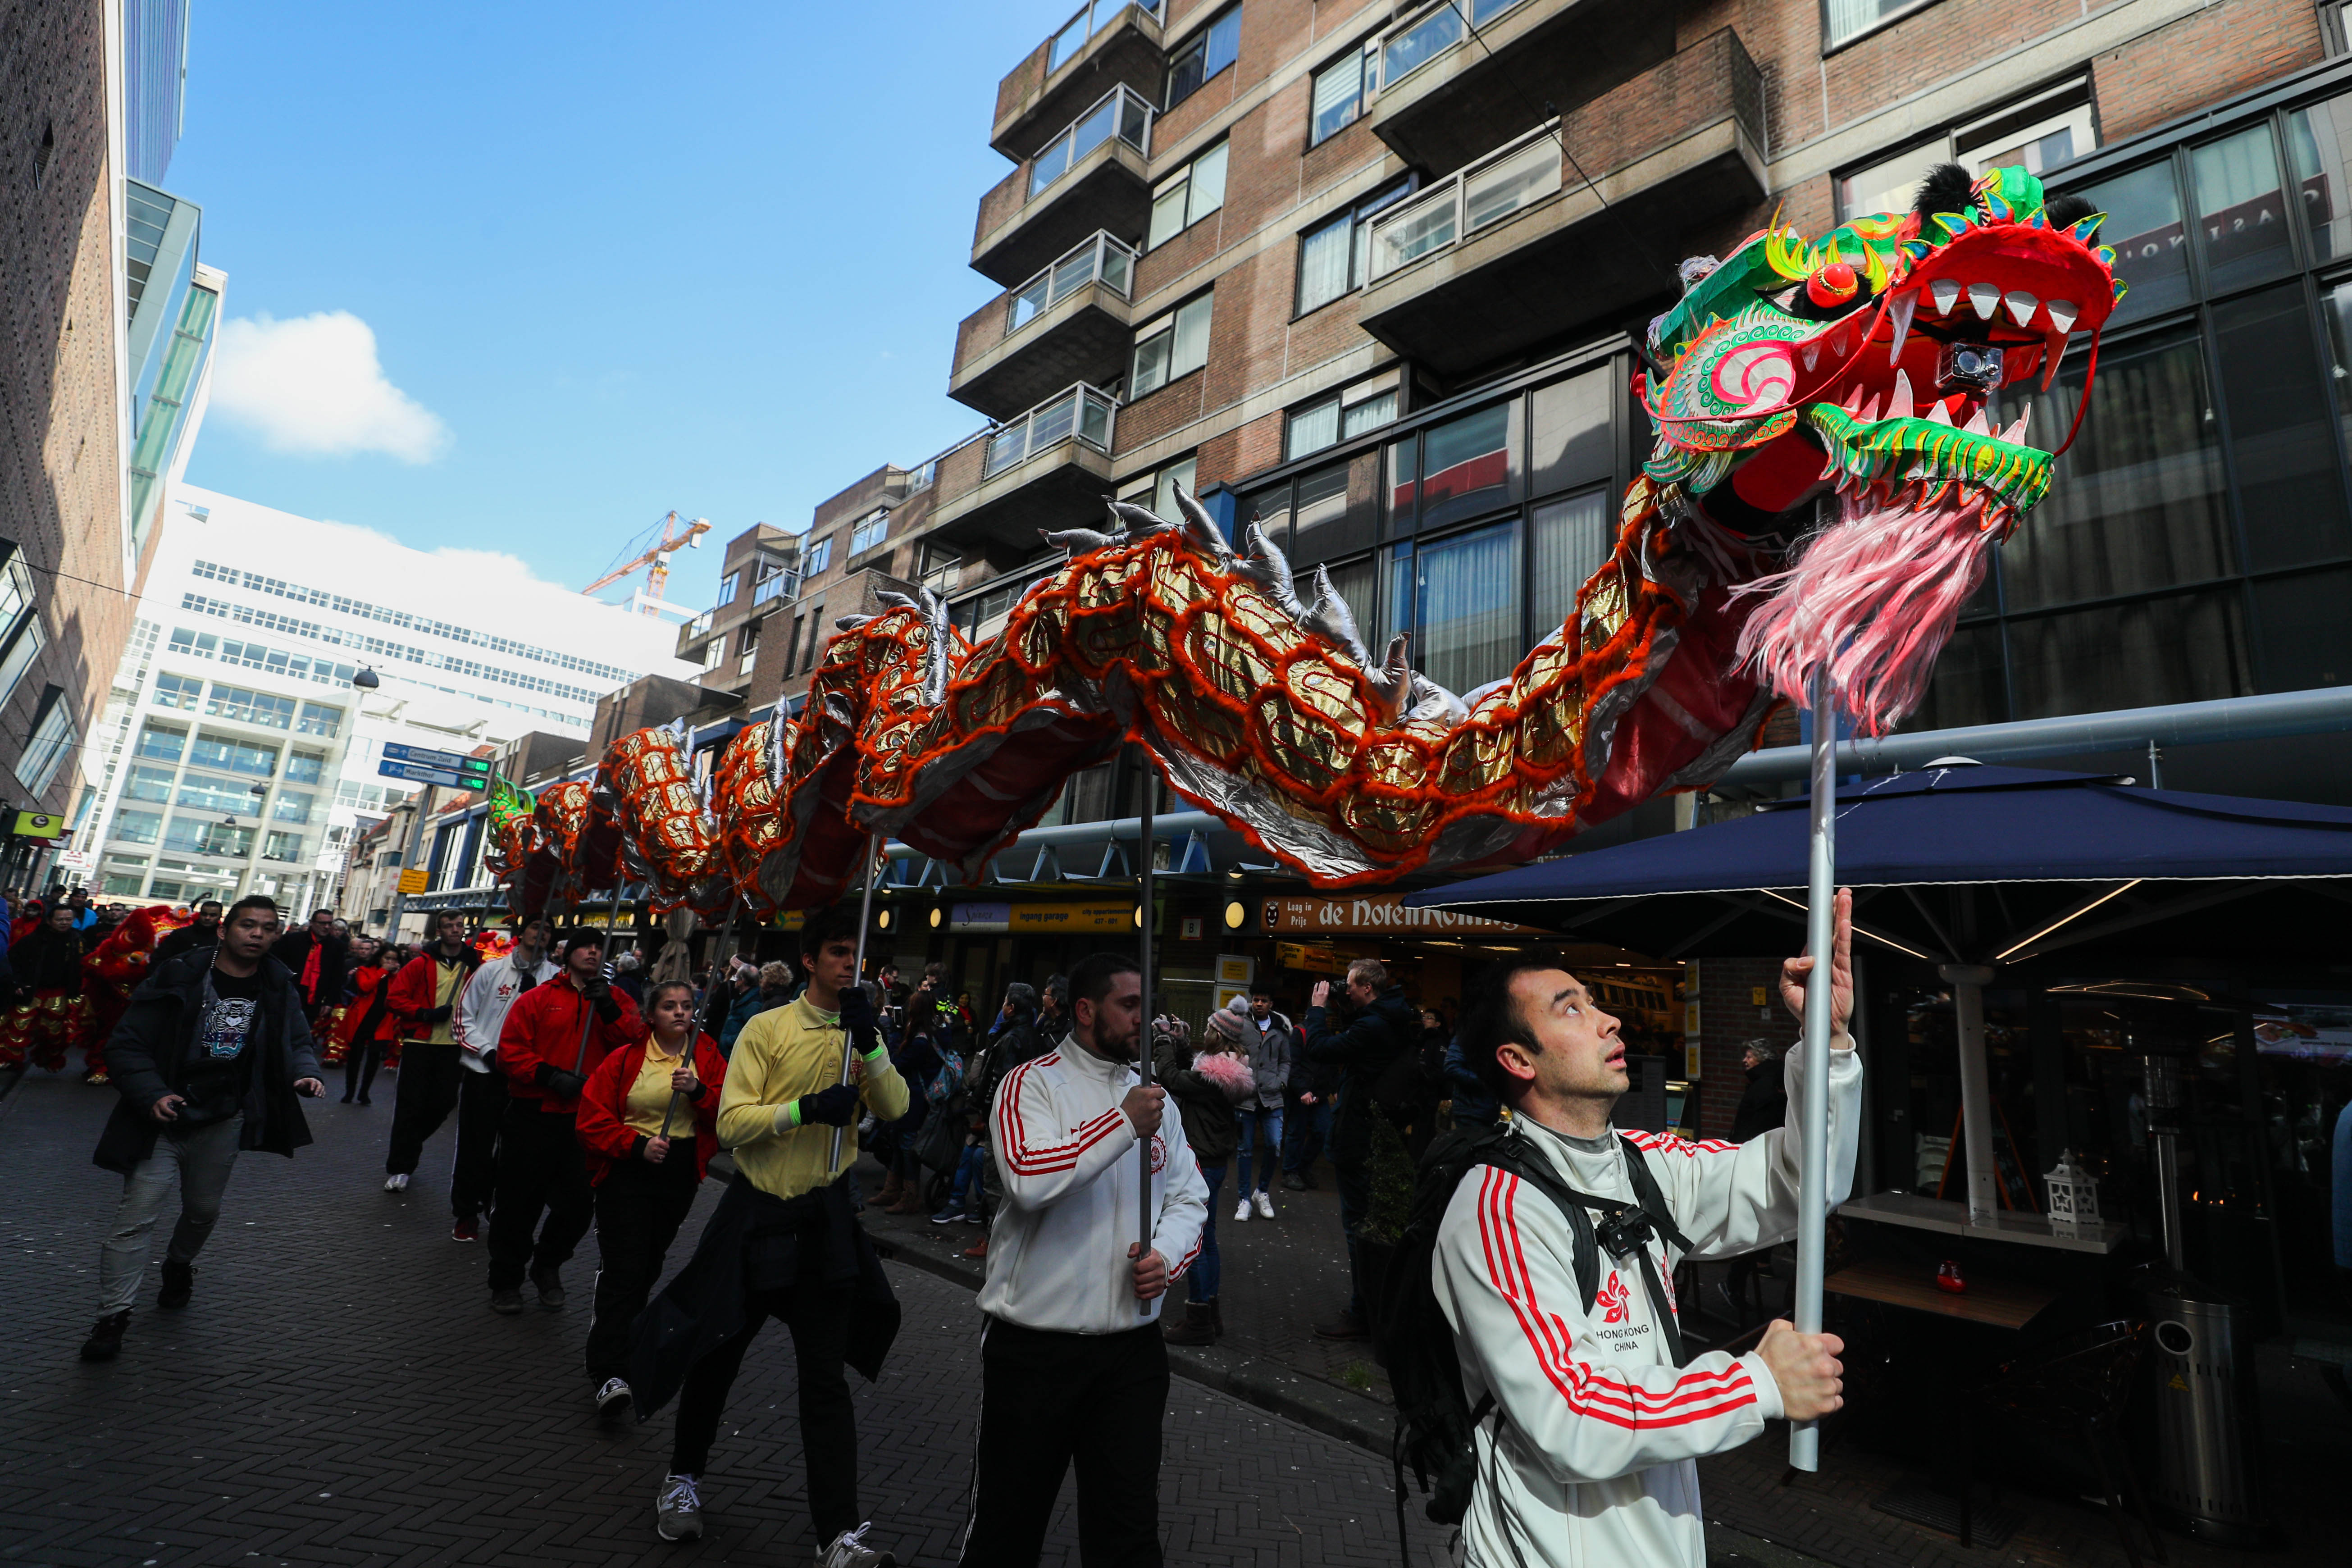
[1073,1369]
[1587,1455]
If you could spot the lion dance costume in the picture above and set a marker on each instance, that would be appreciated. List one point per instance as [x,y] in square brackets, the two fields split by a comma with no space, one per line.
[114,969]
[1824,491]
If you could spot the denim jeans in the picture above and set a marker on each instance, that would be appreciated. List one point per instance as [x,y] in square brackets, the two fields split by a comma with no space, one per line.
[1208,1269]
[1307,1130]
[966,1193]
[1260,1127]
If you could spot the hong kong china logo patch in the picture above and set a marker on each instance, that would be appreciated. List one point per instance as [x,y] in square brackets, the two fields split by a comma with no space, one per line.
[1611,1298]
[1159,1153]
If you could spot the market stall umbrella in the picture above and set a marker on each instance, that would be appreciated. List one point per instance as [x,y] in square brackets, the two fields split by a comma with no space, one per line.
[2034,862]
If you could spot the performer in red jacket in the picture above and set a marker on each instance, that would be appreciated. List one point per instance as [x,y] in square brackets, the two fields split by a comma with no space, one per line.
[641,1105]
[554,1036]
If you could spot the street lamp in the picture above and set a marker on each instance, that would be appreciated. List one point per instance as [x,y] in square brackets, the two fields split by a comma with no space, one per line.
[366,680]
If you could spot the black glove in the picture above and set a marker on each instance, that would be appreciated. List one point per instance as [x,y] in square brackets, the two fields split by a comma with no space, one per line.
[559,1084]
[835,1106]
[857,1020]
[433,1016]
[606,1009]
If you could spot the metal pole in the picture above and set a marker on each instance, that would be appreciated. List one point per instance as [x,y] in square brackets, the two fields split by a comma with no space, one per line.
[701,1009]
[409,856]
[1821,933]
[1967,982]
[864,920]
[1143,920]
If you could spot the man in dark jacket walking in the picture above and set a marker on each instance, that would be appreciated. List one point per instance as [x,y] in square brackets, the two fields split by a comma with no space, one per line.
[203,933]
[316,958]
[207,1059]
[1383,1027]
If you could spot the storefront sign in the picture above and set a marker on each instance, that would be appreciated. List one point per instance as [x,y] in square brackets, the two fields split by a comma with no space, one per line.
[1235,969]
[36,825]
[1314,960]
[1383,914]
[1039,920]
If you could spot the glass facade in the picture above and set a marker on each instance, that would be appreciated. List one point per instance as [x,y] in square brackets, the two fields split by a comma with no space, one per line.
[2199,528]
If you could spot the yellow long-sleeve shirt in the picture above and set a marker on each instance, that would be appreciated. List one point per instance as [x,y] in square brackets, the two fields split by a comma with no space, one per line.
[782,1054]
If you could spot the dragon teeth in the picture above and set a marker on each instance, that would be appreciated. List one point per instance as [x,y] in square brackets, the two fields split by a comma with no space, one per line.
[1899,407]
[1812,353]
[2015,434]
[1984,298]
[1976,425]
[2062,313]
[2022,305]
[1869,415]
[1900,309]
[1945,291]
[1936,414]
[2054,353]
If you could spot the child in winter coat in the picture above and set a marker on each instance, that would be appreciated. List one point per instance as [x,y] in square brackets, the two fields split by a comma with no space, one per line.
[1207,1087]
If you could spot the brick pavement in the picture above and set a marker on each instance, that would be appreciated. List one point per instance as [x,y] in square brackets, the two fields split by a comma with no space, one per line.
[338,1394]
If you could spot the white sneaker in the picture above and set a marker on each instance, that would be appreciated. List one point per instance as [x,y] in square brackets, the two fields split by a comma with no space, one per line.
[614,1396]
[1264,1206]
[395,1184]
[678,1510]
[849,1550]
[1240,1210]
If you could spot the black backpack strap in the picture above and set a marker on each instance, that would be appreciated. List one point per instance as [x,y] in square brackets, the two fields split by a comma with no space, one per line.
[1653,1201]
[1514,1157]
[1523,1162]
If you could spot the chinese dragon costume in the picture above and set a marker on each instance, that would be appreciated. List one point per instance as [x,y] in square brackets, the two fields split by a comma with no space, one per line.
[1824,491]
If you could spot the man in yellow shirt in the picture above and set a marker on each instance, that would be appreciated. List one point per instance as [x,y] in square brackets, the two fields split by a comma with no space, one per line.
[784,1244]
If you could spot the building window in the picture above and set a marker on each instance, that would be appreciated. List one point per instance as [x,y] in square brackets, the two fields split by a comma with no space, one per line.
[148,782]
[1845,20]
[237,756]
[1338,96]
[1187,197]
[1203,56]
[727,586]
[178,692]
[137,827]
[291,805]
[203,835]
[1328,421]
[20,622]
[818,557]
[305,767]
[164,742]
[747,647]
[286,846]
[21,652]
[227,701]
[1335,256]
[2039,134]
[714,652]
[1176,344]
[53,735]
[211,791]
[870,531]
[1157,491]
[321,719]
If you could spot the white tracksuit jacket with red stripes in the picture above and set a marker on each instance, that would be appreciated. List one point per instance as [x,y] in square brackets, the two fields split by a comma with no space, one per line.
[1057,1255]
[1594,1465]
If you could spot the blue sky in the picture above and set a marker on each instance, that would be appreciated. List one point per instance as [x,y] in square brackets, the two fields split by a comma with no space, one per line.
[615,258]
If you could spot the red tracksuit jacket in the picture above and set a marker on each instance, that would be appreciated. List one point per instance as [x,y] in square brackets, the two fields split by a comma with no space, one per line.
[605,1131]
[542,1028]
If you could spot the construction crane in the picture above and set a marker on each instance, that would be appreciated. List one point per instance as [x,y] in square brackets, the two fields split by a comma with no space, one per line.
[656,559]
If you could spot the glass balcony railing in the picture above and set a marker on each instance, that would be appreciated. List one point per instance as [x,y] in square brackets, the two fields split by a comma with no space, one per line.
[1421,39]
[1100,259]
[1482,194]
[700,626]
[1084,413]
[1071,36]
[783,585]
[1119,112]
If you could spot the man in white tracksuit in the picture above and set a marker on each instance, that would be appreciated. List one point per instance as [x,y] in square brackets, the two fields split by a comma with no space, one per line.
[1588,1456]
[481,1013]
[1073,1369]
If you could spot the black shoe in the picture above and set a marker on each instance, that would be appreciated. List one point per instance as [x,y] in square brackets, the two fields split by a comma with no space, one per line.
[347,1100]
[506,1302]
[1346,1326]
[179,1283]
[551,1287]
[1295,1184]
[105,1341]
[366,1100]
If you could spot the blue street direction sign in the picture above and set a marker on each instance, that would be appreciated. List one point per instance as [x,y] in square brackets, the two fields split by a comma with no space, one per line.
[448,762]
[417,772]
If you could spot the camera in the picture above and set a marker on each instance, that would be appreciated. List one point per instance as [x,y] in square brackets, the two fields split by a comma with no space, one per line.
[1970,364]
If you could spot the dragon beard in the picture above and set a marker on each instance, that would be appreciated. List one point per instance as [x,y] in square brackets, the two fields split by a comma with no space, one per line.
[1871,597]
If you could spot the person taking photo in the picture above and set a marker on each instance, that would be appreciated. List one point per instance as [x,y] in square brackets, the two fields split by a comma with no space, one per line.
[481,1013]
[206,1063]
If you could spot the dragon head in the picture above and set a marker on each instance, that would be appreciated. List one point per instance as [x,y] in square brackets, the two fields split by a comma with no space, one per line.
[1826,418]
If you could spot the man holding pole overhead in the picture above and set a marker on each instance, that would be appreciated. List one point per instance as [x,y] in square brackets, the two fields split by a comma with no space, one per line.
[1073,1369]
[1588,1417]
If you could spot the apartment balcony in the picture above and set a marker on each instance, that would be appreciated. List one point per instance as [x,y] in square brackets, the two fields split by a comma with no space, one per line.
[1449,80]
[1517,248]
[1106,44]
[1049,468]
[1068,323]
[1091,174]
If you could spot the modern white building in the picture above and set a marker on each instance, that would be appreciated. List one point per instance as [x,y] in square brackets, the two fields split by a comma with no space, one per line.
[236,753]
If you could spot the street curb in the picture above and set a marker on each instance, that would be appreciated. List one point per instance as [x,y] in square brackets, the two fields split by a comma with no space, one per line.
[1312,1402]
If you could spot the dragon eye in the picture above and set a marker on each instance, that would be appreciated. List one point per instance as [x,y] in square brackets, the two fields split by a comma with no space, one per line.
[1833,285]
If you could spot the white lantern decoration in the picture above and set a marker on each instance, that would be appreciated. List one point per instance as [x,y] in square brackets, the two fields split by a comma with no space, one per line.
[2073,1197]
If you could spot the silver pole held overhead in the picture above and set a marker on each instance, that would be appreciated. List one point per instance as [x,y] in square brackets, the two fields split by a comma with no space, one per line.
[1821,941]
[1144,916]
[864,920]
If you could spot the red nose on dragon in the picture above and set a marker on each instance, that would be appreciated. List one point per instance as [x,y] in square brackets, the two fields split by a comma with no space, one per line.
[1825,489]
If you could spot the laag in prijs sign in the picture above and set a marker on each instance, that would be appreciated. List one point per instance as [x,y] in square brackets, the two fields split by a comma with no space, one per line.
[1375,914]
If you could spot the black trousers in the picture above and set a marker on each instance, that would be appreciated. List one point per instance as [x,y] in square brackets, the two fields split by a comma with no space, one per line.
[539,1168]
[638,1210]
[1049,1401]
[481,1106]
[359,1064]
[427,1094]
[817,1313]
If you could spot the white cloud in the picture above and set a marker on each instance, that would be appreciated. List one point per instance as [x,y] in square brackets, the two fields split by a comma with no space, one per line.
[312,385]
